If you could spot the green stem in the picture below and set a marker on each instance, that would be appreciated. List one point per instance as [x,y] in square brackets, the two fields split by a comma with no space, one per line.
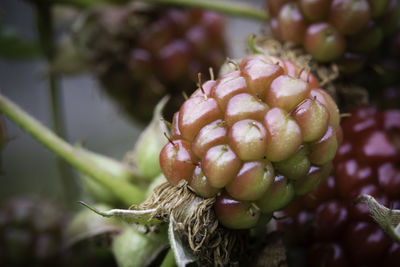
[124,190]
[84,3]
[227,7]
[46,37]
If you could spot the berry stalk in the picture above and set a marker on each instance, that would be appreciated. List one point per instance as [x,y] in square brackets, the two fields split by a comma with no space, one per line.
[125,191]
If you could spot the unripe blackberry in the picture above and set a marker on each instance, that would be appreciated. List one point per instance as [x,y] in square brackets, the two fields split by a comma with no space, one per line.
[141,54]
[259,135]
[339,233]
[328,29]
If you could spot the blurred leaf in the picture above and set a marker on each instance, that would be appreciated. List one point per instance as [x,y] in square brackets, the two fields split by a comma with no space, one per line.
[144,217]
[87,224]
[13,46]
[133,248]
[388,219]
[183,254]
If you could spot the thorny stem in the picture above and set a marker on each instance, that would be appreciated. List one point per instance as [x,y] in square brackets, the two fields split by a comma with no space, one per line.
[227,7]
[127,192]
[46,37]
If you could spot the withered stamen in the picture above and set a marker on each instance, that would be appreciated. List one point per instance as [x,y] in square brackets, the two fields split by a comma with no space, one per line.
[300,72]
[191,162]
[201,85]
[185,95]
[344,115]
[298,105]
[279,218]
[233,62]
[211,70]
[169,139]
[169,125]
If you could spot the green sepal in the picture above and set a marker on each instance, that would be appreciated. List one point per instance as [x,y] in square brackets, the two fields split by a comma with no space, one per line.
[133,248]
[150,143]
[388,219]
[169,260]
[252,45]
[86,224]
[131,216]
[182,253]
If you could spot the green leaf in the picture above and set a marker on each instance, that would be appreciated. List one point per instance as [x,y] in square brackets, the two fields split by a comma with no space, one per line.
[12,45]
[133,248]
[183,254]
[87,224]
[388,219]
[144,217]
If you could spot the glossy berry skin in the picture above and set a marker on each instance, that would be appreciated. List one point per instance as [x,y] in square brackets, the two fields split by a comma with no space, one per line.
[330,29]
[256,138]
[236,214]
[336,232]
[141,54]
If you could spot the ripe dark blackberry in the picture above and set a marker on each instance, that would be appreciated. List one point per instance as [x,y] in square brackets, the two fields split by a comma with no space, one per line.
[140,54]
[334,30]
[336,232]
[256,137]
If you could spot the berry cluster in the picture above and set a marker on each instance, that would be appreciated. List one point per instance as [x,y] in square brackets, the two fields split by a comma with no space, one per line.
[256,137]
[30,233]
[334,231]
[141,55]
[331,30]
